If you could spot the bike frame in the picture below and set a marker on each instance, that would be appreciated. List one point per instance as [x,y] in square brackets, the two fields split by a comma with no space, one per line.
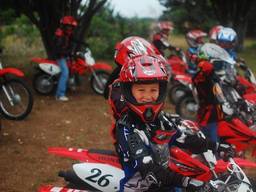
[237,133]
[181,161]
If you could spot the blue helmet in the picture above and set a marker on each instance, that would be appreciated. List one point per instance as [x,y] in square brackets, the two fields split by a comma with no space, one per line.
[227,38]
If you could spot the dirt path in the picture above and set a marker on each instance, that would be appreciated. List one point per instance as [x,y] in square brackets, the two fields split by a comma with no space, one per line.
[82,122]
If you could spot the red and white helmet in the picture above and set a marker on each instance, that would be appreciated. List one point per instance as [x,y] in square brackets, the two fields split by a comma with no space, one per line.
[165,26]
[195,37]
[68,20]
[132,47]
[144,69]
[214,32]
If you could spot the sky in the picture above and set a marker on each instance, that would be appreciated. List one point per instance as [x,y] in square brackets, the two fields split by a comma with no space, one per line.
[139,8]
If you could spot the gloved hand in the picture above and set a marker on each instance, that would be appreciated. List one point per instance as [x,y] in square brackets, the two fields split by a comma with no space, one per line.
[226,151]
[206,67]
[227,109]
[196,185]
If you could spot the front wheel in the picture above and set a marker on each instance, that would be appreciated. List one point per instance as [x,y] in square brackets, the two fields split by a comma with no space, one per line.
[44,84]
[176,92]
[16,100]
[187,107]
[98,81]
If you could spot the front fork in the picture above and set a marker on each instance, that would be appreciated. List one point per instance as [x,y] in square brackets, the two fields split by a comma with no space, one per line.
[10,99]
[96,77]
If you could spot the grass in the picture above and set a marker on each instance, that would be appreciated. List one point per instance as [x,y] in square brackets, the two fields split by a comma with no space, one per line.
[18,52]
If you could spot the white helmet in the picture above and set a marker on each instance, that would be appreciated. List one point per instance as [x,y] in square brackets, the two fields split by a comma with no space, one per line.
[218,56]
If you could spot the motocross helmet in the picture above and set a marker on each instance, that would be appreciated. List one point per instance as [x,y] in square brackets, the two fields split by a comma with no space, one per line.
[68,23]
[227,38]
[218,56]
[165,26]
[144,69]
[214,32]
[68,20]
[131,47]
[195,37]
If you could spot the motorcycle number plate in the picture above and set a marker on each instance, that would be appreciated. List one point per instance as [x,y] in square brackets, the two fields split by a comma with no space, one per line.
[101,176]
[51,69]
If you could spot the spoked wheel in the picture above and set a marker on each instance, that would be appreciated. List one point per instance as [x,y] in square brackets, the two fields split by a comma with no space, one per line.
[187,107]
[44,83]
[16,100]
[176,92]
[98,81]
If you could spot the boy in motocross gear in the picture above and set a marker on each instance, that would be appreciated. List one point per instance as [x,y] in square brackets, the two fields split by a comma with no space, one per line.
[227,39]
[144,132]
[124,50]
[63,38]
[160,39]
[195,39]
[216,93]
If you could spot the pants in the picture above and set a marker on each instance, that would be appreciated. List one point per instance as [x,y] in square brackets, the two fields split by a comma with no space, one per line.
[210,131]
[62,83]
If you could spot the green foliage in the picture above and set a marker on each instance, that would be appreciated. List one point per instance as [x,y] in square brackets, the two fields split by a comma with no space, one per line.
[107,29]
[21,27]
[189,14]
[7,16]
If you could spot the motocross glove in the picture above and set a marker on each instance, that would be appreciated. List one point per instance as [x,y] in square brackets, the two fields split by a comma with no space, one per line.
[197,185]
[225,151]
[227,109]
[161,176]
[206,67]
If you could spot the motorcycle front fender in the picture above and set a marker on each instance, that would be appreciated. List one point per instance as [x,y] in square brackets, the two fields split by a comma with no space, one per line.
[85,155]
[12,71]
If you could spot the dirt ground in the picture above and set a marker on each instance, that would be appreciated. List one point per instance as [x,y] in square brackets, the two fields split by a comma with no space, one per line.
[83,122]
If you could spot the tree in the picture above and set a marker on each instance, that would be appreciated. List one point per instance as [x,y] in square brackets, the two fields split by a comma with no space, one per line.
[231,13]
[45,15]
[188,14]
[235,14]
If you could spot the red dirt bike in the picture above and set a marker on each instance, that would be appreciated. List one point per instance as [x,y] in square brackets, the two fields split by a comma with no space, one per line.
[46,79]
[180,78]
[187,105]
[100,170]
[16,99]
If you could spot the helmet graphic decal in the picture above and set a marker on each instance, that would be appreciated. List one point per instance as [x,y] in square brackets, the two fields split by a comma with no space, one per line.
[137,48]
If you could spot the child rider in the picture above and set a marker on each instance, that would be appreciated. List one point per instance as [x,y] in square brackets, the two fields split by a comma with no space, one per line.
[145,133]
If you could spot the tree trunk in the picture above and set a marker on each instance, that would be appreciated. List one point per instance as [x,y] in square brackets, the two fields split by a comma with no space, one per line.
[45,15]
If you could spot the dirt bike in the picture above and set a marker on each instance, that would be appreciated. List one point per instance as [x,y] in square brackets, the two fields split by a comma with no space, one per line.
[187,105]
[16,99]
[240,128]
[180,78]
[100,170]
[46,79]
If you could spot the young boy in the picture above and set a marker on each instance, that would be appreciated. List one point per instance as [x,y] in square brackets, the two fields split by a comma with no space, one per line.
[144,132]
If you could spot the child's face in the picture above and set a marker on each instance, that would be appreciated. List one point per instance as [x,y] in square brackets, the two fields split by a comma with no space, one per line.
[144,93]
